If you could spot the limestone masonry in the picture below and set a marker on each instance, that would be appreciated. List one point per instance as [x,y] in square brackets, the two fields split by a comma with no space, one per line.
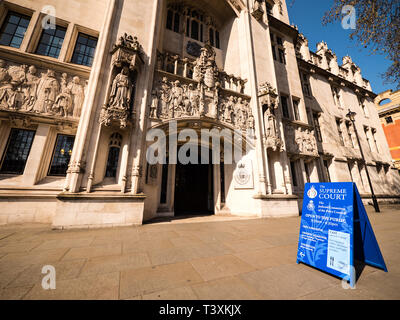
[83,83]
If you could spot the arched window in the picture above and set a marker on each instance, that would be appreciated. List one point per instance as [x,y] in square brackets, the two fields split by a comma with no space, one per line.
[195,24]
[214,38]
[113,155]
[173,20]
[195,30]
[384,101]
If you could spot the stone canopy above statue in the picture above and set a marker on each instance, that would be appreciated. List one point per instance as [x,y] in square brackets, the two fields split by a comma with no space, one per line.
[127,51]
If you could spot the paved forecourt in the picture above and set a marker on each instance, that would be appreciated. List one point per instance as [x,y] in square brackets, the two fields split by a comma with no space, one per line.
[195,258]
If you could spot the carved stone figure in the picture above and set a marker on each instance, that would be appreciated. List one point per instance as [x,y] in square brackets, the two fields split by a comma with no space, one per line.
[190,100]
[194,100]
[63,103]
[177,100]
[78,94]
[270,123]
[23,90]
[300,140]
[154,112]
[205,70]
[165,97]
[129,42]
[30,88]
[186,101]
[48,90]
[17,74]
[251,123]
[238,112]
[6,88]
[213,108]
[121,89]
[64,82]
[228,112]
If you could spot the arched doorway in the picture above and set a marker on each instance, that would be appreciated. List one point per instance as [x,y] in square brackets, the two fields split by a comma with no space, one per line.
[198,187]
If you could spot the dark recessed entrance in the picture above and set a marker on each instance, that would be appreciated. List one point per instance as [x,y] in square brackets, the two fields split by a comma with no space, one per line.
[194,189]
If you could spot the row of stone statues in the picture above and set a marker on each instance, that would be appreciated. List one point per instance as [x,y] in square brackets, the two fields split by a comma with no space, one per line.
[300,140]
[171,100]
[23,89]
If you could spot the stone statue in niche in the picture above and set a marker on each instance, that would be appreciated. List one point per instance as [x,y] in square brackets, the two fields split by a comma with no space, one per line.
[238,111]
[270,122]
[251,123]
[118,105]
[120,96]
[228,112]
[154,112]
[272,137]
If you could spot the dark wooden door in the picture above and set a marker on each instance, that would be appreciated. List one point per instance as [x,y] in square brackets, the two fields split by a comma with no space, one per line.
[193,189]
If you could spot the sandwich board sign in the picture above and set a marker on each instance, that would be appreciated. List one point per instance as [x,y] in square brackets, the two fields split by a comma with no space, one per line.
[335,231]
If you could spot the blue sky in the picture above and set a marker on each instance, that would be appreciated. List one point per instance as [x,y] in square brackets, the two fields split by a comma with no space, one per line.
[307,15]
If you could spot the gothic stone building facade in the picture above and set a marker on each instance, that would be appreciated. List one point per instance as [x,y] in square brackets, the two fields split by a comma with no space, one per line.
[82,84]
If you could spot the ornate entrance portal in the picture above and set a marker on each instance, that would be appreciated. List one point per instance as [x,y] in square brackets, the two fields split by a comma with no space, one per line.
[194,189]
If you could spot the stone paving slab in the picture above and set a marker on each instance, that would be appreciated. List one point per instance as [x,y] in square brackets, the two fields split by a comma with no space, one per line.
[195,258]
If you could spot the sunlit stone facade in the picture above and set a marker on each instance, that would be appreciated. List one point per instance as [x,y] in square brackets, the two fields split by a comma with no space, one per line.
[79,100]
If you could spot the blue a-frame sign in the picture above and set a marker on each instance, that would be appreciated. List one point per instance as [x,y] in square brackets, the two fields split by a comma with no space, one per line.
[335,231]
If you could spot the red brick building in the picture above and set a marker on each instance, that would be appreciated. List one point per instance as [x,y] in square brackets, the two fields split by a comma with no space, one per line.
[388,105]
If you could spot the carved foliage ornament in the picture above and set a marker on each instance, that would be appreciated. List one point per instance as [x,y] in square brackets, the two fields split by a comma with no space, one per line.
[24,89]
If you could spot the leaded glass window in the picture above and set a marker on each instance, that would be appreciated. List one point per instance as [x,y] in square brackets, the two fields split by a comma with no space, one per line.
[84,50]
[17,151]
[51,41]
[62,155]
[13,30]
